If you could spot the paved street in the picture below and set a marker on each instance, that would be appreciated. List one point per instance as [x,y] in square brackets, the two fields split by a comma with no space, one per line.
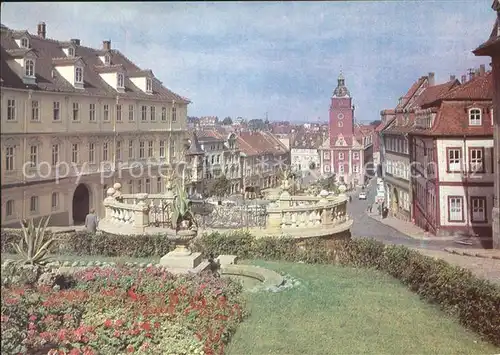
[365,226]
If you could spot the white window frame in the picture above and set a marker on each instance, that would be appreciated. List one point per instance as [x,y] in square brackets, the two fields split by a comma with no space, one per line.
[34,155]
[33,204]
[10,208]
[118,113]
[76,112]
[56,111]
[92,117]
[131,113]
[107,59]
[454,162]
[174,114]
[131,149]
[91,153]
[162,149]
[10,162]
[475,116]
[25,43]
[164,113]
[74,153]
[152,111]
[341,168]
[455,209]
[118,150]
[35,110]
[148,186]
[159,185]
[120,81]
[149,85]
[150,149]
[71,52]
[105,151]
[144,113]
[11,110]
[29,68]
[55,154]
[142,152]
[54,201]
[478,209]
[79,75]
[105,110]
[476,163]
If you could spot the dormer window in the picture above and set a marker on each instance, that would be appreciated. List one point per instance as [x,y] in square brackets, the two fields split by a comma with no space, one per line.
[121,81]
[107,59]
[474,117]
[71,52]
[79,75]
[29,68]
[25,43]
[149,85]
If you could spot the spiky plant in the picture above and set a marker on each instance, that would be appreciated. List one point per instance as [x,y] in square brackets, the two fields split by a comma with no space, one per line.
[181,209]
[35,244]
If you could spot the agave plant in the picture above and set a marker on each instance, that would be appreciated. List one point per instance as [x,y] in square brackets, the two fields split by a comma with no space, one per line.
[181,209]
[35,244]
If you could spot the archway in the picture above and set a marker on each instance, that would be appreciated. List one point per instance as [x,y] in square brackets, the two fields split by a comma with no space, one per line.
[81,204]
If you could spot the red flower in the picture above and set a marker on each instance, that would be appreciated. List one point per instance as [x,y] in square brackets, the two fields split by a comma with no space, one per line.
[32,318]
[157,325]
[146,326]
[108,323]
[130,349]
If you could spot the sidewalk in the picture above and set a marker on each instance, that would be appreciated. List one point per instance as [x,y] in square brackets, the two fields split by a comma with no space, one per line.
[474,252]
[404,227]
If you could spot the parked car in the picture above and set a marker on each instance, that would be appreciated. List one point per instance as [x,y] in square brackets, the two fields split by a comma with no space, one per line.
[362,196]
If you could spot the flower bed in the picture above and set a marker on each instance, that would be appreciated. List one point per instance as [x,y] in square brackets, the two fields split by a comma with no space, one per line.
[122,310]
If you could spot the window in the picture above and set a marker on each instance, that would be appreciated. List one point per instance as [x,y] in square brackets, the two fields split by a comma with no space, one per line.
[130,112]
[91,153]
[475,117]
[455,209]
[118,150]
[174,114]
[107,59]
[9,208]
[120,81]
[55,201]
[144,111]
[74,153]
[11,110]
[341,168]
[25,43]
[71,52]
[130,149]
[76,109]
[341,156]
[119,113]
[141,150]
[106,112]
[454,159]
[476,160]
[148,186]
[34,155]
[130,187]
[105,151]
[478,209]
[162,149]
[9,158]
[139,186]
[35,110]
[163,113]
[355,168]
[33,204]
[355,155]
[92,112]
[153,113]
[159,185]
[79,75]
[172,149]
[29,68]
[149,85]
[56,111]
[150,149]
[55,154]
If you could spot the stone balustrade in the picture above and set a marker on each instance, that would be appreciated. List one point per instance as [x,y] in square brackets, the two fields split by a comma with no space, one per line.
[285,214]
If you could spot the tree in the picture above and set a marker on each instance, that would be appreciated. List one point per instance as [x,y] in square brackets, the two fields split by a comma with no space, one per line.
[227,121]
[256,124]
[219,187]
[375,123]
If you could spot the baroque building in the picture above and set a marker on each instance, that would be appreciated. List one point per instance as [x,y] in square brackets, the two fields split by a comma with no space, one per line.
[75,120]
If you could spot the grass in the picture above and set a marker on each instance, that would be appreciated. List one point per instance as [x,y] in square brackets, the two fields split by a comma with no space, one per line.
[348,311]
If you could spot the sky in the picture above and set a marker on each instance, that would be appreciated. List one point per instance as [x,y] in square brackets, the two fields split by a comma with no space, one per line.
[280,58]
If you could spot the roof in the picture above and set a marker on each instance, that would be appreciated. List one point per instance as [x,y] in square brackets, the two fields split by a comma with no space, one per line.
[411,93]
[194,146]
[478,88]
[452,120]
[435,92]
[494,41]
[48,79]
[259,143]
[304,139]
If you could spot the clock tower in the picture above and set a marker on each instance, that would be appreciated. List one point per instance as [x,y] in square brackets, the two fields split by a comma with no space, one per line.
[341,113]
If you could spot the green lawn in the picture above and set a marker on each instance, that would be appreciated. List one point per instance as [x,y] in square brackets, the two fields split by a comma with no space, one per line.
[348,311]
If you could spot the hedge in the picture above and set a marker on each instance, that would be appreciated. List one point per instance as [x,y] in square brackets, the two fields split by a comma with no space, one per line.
[475,302]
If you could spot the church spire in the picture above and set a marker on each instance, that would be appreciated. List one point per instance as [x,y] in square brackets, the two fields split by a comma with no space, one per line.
[341,90]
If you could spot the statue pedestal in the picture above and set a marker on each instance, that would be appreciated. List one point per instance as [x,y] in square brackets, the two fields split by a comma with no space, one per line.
[182,260]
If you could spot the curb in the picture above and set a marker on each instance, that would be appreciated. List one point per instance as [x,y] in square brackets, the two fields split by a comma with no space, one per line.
[374,217]
[472,255]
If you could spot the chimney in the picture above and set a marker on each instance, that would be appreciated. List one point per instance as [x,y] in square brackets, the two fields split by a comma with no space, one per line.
[464,79]
[471,74]
[452,78]
[430,79]
[106,45]
[482,69]
[42,29]
[75,41]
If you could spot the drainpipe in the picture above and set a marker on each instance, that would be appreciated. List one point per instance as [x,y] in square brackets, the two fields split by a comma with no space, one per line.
[25,147]
[466,187]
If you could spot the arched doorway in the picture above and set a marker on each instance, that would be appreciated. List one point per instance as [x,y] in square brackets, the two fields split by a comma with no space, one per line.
[81,204]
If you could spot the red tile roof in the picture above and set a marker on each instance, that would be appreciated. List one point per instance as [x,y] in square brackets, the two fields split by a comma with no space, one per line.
[479,88]
[257,143]
[48,79]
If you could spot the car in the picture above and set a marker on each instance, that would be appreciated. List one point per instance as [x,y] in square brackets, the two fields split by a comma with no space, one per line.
[362,196]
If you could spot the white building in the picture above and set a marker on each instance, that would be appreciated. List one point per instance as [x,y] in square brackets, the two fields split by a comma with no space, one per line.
[74,121]
[304,150]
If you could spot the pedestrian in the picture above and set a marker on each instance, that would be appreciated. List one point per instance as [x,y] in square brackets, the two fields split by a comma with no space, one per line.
[350,198]
[91,222]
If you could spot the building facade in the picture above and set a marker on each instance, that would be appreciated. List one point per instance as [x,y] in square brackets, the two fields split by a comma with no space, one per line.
[342,154]
[452,160]
[75,120]
[491,48]
[304,150]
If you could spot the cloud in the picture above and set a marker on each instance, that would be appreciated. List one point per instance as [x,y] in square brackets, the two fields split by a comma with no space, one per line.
[246,59]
